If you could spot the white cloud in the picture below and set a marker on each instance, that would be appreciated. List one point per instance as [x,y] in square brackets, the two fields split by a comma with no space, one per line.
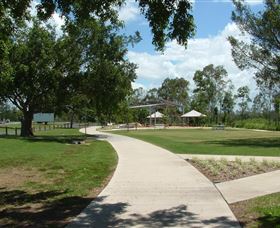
[254,2]
[129,12]
[177,61]
[249,2]
[136,85]
[55,20]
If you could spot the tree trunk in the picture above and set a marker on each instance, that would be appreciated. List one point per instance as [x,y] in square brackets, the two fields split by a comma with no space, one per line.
[71,119]
[26,124]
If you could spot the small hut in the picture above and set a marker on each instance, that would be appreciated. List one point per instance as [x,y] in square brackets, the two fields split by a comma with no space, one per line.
[192,114]
[154,116]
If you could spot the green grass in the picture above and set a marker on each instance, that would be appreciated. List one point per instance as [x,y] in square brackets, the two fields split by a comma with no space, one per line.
[68,174]
[206,141]
[262,211]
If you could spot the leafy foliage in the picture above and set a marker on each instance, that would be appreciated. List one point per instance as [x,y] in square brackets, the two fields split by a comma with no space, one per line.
[169,20]
[34,76]
[262,53]
[244,99]
[175,90]
[106,73]
[211,83]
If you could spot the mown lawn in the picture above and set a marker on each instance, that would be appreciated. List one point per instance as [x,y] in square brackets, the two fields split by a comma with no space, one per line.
[207,141]
[47,180]
[259,212]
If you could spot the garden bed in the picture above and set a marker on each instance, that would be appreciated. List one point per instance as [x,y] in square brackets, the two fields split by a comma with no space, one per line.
[224,170]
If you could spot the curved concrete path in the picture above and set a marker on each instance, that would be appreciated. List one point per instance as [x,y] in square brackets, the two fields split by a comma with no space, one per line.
[152,187]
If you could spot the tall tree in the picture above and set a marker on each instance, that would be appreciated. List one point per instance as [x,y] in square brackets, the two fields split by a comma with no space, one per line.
[34,76]
[152,96]
[175,90]
[276,102]
[137,97]
[243,99]
[169,20]
[263,52]
[211,83]
[106,72]
[227,106]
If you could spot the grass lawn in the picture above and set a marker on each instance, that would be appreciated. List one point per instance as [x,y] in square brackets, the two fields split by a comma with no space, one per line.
[262,211]
[46,180]
[207,141]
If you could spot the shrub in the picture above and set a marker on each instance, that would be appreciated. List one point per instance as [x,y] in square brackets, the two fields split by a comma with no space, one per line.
[257,123]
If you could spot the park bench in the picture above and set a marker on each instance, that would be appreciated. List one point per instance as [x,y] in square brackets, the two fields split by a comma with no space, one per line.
[218,127]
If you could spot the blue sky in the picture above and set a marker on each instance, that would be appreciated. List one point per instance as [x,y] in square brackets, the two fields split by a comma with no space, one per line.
[213,26]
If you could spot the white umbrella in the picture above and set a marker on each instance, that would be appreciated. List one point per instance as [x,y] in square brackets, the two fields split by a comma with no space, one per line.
[193,113]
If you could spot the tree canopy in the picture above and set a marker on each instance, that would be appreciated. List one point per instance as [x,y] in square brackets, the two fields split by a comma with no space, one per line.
[34,76]
[262,53]
[168,20]
[211,83]
[175,90]
[44,77]
[243,99]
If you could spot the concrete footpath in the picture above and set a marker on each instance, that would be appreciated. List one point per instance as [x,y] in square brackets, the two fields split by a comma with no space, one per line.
[153,187]
[250,187]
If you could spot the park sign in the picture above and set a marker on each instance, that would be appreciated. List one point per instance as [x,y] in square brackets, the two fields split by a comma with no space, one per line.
[43,117]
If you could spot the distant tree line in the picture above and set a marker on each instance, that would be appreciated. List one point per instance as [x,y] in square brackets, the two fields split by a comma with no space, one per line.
[213,95]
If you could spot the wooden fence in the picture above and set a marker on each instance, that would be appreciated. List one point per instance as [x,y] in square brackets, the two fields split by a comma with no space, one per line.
[5,130]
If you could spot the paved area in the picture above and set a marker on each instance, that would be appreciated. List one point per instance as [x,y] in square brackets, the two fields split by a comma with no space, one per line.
[153,187]
[228,157]
[250,187]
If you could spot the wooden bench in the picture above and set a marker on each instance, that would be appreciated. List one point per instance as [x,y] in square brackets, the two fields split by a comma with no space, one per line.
[218,127]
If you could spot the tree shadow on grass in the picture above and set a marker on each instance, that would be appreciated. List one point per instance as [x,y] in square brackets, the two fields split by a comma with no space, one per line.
[40,209]
[51,138]
[99,214]
[269,221]
[253,142]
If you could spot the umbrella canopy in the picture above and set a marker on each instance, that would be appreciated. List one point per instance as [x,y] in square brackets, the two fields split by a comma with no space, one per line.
[155,115]
[193,113]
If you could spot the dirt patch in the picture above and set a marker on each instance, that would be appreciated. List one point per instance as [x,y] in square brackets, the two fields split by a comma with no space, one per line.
[224,170]
[15,177]
[262,211]
[245,217]
[42,209]
[24,207]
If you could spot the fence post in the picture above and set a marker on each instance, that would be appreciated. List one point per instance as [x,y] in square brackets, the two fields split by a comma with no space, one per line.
[6,130]
[16,133]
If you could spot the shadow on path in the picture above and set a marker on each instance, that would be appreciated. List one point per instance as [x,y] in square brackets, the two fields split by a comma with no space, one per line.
[99,214]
